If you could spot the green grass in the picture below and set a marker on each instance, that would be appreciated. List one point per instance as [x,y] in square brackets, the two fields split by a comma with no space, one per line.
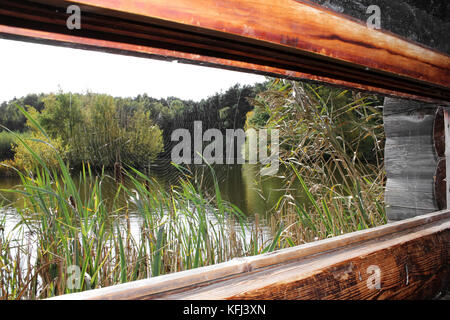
[62,224]
[331,150]
[180,229]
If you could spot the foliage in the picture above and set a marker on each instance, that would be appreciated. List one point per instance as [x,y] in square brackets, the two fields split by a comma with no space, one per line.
[103,130]
[61,116]
[7,141]
[145,141]
[331,148]
[25,160]
[12,118]
[181,229]
[89,129]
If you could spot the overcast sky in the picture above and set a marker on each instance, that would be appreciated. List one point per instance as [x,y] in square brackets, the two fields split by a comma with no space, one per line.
[33,68]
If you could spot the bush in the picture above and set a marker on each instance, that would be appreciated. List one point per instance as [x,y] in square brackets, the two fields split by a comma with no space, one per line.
[6,146]
[43,147]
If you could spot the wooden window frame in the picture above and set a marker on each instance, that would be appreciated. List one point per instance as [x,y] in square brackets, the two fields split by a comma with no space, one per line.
[287,39]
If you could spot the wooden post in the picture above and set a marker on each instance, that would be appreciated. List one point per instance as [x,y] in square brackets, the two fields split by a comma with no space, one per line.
[447,155]
[441,137]
[411,159]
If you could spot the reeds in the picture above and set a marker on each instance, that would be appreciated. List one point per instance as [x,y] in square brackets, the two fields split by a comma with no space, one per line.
[331,150]
[61,227]
[71,238]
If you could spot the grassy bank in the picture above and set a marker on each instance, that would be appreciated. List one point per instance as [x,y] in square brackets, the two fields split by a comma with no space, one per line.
[61,225]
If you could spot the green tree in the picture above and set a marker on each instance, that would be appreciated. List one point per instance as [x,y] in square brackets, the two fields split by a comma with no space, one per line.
[61,116]
[144,140]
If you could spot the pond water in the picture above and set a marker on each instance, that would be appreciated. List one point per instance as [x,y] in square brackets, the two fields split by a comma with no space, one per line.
[242,185]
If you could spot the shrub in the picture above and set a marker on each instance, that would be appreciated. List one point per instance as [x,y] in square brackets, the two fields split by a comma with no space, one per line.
[6,146]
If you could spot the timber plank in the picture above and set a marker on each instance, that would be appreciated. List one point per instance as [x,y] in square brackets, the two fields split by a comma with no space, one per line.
[317,262]
[292,24]
[400,214]
[288,39]
[412,199]
[413,266]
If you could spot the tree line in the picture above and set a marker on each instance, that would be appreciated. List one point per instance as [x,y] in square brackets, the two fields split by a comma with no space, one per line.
[104,130]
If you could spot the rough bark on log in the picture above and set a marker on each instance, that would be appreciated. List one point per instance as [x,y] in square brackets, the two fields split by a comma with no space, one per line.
[410,158]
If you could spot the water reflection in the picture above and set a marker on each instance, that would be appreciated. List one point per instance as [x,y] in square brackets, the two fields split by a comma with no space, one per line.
[242,185]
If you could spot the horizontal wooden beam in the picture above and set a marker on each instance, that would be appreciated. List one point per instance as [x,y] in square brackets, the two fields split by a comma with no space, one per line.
[286,38]
[408,259]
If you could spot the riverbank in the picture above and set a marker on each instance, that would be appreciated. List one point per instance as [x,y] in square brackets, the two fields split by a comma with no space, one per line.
[142,227]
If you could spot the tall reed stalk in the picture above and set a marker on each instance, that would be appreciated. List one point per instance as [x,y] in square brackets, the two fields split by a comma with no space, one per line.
[331,152]
[160,230]
[62,225]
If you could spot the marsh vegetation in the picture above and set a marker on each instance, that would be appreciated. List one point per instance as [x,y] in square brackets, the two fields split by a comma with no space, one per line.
[71,207]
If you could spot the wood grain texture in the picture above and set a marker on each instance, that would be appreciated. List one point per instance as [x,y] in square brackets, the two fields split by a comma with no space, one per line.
[439,133]
[447,154]
[410,158]
[425,22]
[441,136]
[324,269]
[415,269]
[295,25]
[440,184]
[287,38]
[412,266]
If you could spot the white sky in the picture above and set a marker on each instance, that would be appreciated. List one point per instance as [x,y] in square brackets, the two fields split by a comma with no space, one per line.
[33,68]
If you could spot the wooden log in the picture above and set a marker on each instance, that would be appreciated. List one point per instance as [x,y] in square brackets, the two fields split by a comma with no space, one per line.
[441,135]
[410,158]
[403,260]
[322,31]
[256,36]
[425,22]
[440,184]
[410,266]
[447,155]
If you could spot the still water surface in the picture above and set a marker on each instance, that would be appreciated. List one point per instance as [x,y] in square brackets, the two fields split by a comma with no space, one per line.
[242,185]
